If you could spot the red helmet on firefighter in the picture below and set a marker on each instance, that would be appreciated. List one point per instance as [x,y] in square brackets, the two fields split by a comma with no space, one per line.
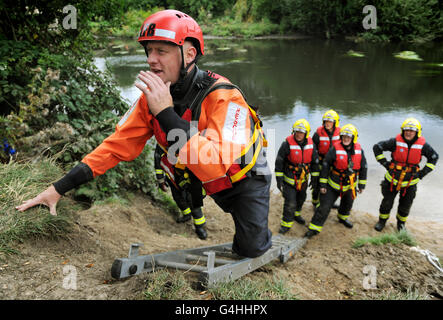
[173,26]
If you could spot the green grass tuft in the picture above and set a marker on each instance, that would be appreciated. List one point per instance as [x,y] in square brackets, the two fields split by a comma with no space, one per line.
[19,182]
[395,238]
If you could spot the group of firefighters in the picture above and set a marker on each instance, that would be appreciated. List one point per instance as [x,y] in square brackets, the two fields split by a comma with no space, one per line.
[338,168]
[334,165]
[217,126]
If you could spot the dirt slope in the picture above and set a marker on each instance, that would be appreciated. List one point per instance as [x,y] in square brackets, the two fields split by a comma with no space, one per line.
[326,268]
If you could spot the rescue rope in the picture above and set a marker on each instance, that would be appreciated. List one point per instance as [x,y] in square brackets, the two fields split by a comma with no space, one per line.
[432,258]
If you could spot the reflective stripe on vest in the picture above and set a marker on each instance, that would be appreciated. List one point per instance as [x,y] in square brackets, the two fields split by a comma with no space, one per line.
[297,155]
[341,159]
[408,156]
[325,142]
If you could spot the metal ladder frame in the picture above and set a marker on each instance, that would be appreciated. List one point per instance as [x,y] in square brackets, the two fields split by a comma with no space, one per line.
[222,265]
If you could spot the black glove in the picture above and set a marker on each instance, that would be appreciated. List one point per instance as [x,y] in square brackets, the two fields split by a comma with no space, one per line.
[385,164]
[420,175]
[280,184]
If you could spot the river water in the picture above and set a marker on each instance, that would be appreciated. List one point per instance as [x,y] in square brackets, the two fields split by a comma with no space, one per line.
[290,79]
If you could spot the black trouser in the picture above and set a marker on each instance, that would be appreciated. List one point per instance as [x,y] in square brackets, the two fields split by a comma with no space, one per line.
[404,203]
[182,199]
[248,203]
[294,201]
[326,202]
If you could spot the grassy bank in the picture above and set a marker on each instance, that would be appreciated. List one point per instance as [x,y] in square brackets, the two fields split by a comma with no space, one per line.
[19,182]
[169,285]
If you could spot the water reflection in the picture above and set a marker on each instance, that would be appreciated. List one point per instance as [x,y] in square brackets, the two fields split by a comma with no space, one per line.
[292,79]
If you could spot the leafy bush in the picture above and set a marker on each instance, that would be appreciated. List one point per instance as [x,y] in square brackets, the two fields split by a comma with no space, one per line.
[53,99]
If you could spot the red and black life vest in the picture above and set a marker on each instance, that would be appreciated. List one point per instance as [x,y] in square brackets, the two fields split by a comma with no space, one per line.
[341,157]
[236,171]
[325,142]
[405,155]
[297,155]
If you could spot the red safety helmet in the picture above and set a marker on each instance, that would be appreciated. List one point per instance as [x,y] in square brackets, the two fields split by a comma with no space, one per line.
[173,26]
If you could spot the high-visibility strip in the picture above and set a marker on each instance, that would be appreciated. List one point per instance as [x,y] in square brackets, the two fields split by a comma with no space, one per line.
[404,183]
[417,146]
[315,201]
[362,181]
[287,224]
[380,156]
[335,138]
[309,146]
[341,152]
[297,213]
[430,165]
[292,181]
[357,151]
[315,174]
[401,218]
[314,227]
[384,216]
[159,171]
[289,180]
[324,138]
[186,211]
[199,221]
[342,216]
[294,147]
[402,144]
[337,186]
[279,174]
[323,180]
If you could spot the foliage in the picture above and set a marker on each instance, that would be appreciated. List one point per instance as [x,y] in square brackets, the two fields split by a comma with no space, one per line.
[395,238]
[166,284]
[19,182]
[53,99]
[249,289]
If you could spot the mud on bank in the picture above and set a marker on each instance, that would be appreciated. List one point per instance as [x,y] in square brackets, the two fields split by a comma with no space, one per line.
[328,267]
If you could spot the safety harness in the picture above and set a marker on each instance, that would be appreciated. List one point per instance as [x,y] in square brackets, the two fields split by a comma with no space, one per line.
[183,177]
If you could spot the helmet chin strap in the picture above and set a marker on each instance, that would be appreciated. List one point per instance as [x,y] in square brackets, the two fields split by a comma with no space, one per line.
[177,87]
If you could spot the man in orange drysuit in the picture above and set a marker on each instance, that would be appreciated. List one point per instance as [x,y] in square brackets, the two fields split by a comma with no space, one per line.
[213,138]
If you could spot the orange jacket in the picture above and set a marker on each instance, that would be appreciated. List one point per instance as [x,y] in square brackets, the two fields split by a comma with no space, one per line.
[224,130]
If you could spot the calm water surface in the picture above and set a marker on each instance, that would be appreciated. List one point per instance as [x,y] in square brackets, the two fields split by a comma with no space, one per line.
[292,79]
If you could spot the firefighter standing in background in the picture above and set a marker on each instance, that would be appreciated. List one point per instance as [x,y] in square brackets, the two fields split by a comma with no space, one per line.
[403,171]
[296,159]
[324,137]
[180,195]
[343,168]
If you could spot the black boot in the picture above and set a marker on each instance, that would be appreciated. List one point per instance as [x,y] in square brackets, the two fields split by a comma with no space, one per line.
[283,230]
[380,224]
[183,218]
[201,232]
[401,225]
[346,223]
[310,233]
[300,220]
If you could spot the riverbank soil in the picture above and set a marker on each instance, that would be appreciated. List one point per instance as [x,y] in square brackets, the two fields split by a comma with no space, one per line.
[78,267]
